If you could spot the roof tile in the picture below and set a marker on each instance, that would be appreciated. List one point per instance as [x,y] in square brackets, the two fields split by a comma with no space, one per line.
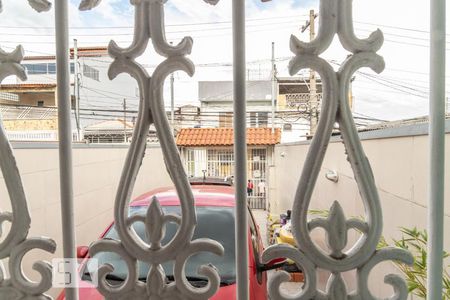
[224,136]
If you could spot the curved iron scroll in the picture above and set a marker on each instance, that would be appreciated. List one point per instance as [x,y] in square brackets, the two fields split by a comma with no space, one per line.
[336,18]
[16,244]
[149,25]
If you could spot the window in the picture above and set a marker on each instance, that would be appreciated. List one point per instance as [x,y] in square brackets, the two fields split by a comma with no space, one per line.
[253,117]
[225,119]
[45,68]
[263,119]
[91,72]
[51,68]
[40,103]
[259,119]
[36,68]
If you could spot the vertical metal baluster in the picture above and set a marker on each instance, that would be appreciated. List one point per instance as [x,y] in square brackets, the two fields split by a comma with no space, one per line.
[437,150]
[364,255]
[240,148]
[65,137]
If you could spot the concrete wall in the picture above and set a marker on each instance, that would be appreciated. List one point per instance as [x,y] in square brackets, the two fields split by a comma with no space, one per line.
[31,98]
[96,174]
[30,125]
[400,167]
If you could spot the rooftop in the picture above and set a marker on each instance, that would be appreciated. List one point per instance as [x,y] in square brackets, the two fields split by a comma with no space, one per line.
[27,87]
[82,52]
[114,126]
[196,137]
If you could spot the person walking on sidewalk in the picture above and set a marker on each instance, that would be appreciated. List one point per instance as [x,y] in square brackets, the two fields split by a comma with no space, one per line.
[249,188]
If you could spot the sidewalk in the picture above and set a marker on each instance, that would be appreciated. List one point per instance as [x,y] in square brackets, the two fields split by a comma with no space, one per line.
[260,215]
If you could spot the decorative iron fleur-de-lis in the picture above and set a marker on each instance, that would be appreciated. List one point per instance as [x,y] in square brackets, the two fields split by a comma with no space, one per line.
[149,25]
[336,18]
[90,4]
[16,244]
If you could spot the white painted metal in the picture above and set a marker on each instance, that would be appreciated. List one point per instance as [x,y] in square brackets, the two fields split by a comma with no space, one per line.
[240,148]
[437,150]
[65,139]
[336,18]
[76,86]
[16,243]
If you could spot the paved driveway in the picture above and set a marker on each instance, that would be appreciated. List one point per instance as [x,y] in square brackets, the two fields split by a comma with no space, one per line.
[290,288]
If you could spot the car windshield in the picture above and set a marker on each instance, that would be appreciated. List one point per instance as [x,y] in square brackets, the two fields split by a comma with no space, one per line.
[216,223]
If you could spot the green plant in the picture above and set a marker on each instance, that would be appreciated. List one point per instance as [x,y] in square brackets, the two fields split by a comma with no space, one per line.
[415,241]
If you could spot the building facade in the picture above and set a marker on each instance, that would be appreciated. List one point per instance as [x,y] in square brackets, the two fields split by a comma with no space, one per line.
[33,105]
[208,152]
[292,105]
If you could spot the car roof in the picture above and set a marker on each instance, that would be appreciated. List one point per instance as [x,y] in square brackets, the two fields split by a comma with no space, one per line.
[204,195]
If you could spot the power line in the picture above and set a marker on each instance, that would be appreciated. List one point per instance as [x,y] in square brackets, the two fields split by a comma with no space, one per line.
[132,33]
[397,35]
[395,27]
[169,38]
[204,116]
[167,25]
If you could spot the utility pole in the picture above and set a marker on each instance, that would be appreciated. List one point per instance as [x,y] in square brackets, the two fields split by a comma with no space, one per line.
[274,86]
[172,102]
[124,120]
[76,87]
[313,103]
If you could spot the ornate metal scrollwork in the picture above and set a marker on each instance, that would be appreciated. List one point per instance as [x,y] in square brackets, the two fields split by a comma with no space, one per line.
[16,244]
[149,24]
[38,5]
[336,18]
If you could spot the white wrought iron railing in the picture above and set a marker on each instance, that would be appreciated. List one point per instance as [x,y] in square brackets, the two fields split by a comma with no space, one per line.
[17,243]
[335,18]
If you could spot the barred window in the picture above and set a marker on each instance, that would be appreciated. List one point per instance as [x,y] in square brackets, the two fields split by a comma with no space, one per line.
[91,72]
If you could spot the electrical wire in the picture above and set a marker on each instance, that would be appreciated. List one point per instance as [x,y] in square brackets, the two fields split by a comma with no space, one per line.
[167,25]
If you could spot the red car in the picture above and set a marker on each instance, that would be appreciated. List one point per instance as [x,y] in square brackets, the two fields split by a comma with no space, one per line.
[216,217]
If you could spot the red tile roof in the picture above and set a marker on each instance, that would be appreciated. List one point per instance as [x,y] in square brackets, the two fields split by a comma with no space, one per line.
[82,52]
[28,86]
[190,137]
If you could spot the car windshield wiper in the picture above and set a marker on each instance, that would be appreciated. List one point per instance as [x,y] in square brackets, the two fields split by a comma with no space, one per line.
[172,278]
[195,279]
[87,277]
[226,282]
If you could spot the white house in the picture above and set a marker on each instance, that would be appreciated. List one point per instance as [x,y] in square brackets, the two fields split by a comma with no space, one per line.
[99,98]
[291,106]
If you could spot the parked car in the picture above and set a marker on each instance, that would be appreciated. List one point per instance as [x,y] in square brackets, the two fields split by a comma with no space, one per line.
[214,204]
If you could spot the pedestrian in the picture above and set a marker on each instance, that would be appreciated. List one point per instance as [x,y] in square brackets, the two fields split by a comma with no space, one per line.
[249,188]
[262,188]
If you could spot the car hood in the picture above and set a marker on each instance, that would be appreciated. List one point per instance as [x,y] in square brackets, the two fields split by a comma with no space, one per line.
[88,292]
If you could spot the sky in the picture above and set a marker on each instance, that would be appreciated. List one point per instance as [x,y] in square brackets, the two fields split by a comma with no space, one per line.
[400,92]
